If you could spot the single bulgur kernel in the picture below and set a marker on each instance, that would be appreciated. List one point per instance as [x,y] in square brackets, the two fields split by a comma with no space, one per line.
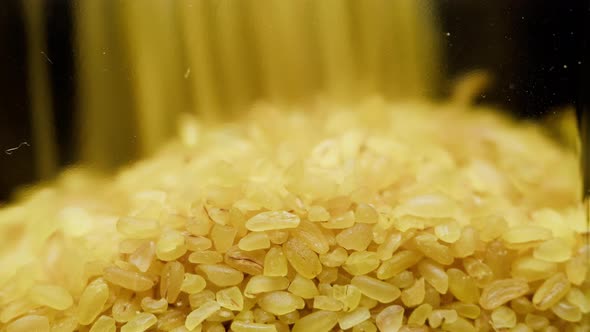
[212,327]
[241,326]
[289,318]
[403,279]
[479,271]
[386,249]
[29,323]
[432,296]
[353,318]
[136,228]
[578,298]
[376,289]
[199,315]
[143,256]
[280,302]
[15,309]
[318,321]
[357,237]
[170,246]
[496,256]
[555,250]
[440,316]
[221,315]
[323,302]
[128,279]
[435,275]
[192,283]
[154,306]
[341,221]
[302,259]
[459,325]
[449,233]
[360,263]
[171,280]
[368,302]
[521,327]
[51,296]
[223,237]
[205,257]
[199,226]
[139,323]
[526,233]
[501,291]
[263,284]
[261,316]
[390,319]
[198,299]
[221,275]
[503,317]
[313,236]
[462,286]
[381,230]
[335,258]
[399,262]
[551,291]
[281,327]
[70,323]
[429,246]
[567,311]
[428,206]
[249,262]
[278,236]
[171,319]
[254,241]
[92,300]
[124,309]
[325,289]
[414,295]
[366,214]
[128,246]
[318,213]
[466,244]
[349,295]
[490,227]
[522,305]
[104,324]
[576,269]
[532,269]
[197,243]
[271,220]
[275,263]
[303,287]
[366,326]
[536,322]
[328,275]
[245,315]
[466,310]
[230,298]
[420,314]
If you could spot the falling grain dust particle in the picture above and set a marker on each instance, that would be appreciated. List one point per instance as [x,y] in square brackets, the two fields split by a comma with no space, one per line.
[46,57]
[187,73]
[11,150]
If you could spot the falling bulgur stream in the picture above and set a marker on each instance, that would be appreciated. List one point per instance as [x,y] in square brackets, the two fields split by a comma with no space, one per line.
[376,214]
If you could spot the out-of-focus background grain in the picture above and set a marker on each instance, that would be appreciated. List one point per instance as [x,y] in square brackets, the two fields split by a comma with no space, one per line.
[99,73]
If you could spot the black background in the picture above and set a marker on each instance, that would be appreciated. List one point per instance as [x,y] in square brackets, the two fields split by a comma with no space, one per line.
[534,49]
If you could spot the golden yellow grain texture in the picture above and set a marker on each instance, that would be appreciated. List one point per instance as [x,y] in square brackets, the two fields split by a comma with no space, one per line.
[373,219]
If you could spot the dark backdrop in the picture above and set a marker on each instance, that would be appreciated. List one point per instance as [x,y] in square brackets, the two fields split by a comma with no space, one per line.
[534,48]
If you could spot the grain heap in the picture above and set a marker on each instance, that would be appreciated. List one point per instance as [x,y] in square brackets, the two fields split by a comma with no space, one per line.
[405,217]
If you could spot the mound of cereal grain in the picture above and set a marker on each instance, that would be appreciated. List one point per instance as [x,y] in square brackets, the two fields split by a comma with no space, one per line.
[390,217]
